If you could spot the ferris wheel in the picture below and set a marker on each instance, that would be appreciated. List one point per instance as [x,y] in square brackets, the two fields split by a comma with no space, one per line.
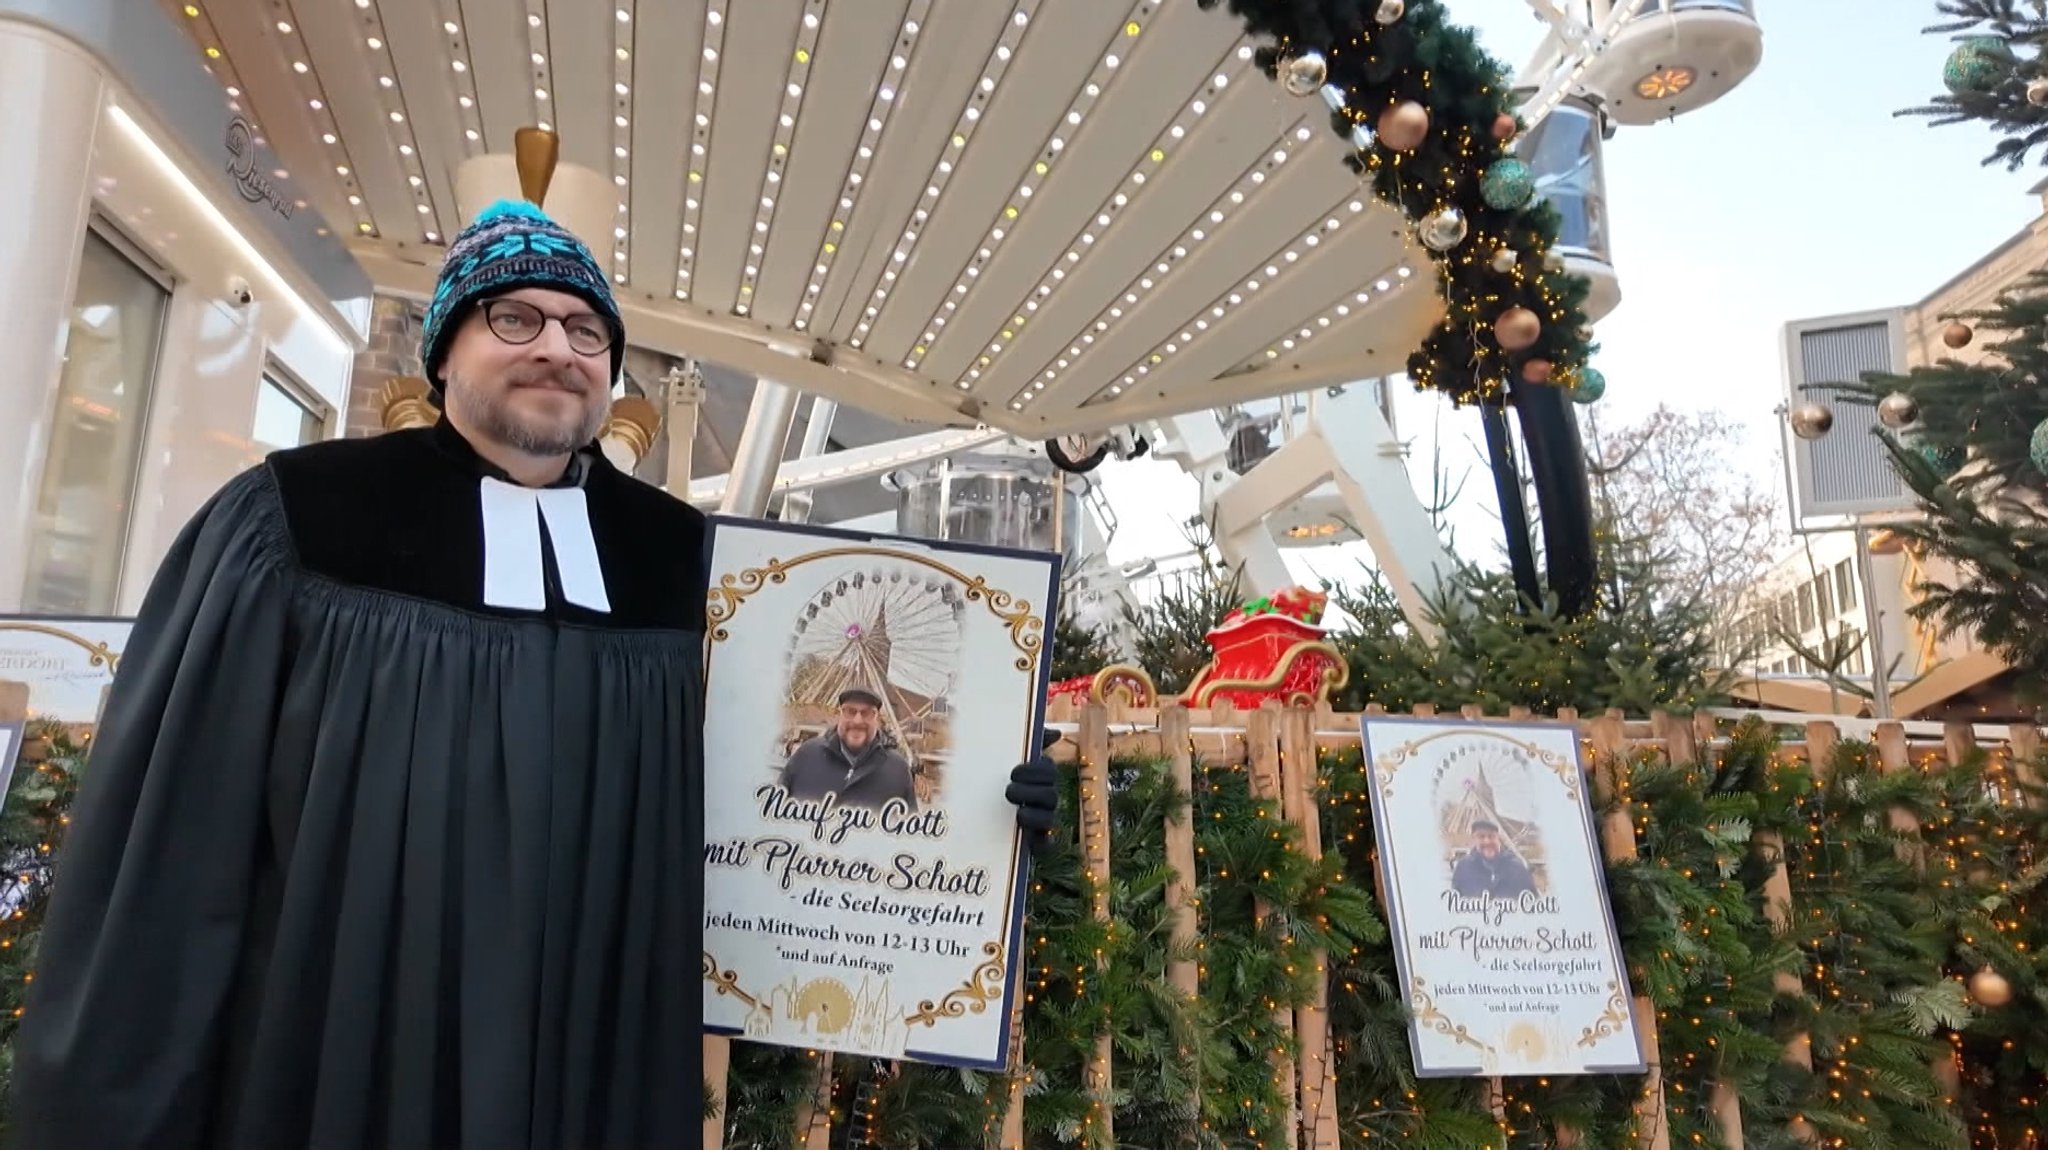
[895,631]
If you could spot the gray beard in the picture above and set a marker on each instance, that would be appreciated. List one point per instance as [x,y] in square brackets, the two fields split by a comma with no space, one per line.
[496,422]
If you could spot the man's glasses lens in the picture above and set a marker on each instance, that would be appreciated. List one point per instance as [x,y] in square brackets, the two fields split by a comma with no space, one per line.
[516,321]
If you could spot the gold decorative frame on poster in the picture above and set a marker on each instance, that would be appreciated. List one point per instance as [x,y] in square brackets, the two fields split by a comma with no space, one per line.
[1507,946]
[818,931]
[67,661]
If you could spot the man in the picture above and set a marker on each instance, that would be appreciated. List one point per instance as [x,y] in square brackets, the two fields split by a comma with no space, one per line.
[392,837]
[1488,869]
[851,759]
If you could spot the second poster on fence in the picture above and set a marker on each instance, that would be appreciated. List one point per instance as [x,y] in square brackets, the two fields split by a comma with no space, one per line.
[865,700]
[1496,896]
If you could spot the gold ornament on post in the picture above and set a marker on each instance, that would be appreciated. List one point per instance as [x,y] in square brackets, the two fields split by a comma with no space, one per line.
[402,403]
[629,431]
[536,151]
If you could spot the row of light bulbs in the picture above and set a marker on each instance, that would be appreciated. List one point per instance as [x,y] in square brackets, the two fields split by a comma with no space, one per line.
[1000,56]
[993,69]
[1219,210]
[1104,74]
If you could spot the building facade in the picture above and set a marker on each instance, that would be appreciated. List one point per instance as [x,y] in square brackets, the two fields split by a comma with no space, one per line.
[1802,638]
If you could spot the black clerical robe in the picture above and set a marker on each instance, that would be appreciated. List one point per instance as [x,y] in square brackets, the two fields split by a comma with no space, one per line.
[363,863]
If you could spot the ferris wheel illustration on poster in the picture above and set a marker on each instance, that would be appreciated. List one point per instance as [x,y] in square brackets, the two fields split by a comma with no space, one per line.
[892,630]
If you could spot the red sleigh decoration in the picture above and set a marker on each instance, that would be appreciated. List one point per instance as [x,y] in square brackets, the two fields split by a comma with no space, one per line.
[1271,648]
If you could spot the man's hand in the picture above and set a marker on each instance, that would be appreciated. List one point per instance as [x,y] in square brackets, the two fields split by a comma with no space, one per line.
[1034,789]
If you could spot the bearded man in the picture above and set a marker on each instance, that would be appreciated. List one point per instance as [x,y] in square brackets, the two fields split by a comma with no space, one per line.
[393,834]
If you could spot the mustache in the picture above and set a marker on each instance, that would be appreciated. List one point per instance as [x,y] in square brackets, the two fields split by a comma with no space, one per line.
[564,378]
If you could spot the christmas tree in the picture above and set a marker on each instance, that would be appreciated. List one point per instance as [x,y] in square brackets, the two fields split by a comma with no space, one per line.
[1996,74]
[36,815]
[1969,434]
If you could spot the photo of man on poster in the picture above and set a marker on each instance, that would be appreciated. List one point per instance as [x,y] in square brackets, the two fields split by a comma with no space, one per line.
[1489,868]
[854,758]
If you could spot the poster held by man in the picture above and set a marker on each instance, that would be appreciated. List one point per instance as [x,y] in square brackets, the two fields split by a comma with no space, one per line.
[1497,899]
[866,697]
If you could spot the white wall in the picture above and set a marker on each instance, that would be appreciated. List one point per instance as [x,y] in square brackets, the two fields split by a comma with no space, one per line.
[213,353]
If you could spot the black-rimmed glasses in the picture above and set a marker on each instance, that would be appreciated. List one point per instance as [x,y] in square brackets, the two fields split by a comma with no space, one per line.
[516,322]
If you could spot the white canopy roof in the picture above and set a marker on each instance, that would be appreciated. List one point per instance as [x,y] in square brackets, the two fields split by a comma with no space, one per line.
[1044,215]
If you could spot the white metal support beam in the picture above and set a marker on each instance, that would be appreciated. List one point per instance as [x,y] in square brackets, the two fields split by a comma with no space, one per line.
[1375,488]
[854,463]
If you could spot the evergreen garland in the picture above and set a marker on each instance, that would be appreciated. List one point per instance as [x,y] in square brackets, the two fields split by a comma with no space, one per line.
[1421,57]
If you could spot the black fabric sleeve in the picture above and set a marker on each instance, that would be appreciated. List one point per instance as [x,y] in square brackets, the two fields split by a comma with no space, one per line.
[121,1046]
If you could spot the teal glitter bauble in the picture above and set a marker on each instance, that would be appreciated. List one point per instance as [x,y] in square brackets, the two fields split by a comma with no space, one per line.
[1507,184]
[1977,65]
[1946,461]
[1591,386]
[2037,447]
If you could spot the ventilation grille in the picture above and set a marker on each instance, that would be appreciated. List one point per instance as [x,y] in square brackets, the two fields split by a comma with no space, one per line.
[1846,471]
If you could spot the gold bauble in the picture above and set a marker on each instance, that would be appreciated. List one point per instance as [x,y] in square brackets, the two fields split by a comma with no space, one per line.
[1802,1130]
[1504,127]
[1537,371]
[1812,420]
[1517,328]
[1404,126]
[1989,988]
[1957,334]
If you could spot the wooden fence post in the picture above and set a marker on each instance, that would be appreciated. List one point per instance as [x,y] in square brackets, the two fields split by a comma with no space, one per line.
[1300,784]
[1184,970]
[1095,851]
[1892,756]
[717,1072]
[1012,1136]
[1262,750]
[1682,749]
[1618,843]
[1183,974]
[2025,739]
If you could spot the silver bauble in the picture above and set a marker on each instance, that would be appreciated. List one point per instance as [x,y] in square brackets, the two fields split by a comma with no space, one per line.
[2037,91]
[1391,11]
[1812,420]
[1898,410]
[1304,74]
[1553,260]
[1444,230]
[1504,260]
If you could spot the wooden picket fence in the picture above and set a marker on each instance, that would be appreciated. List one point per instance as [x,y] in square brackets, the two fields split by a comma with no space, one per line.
[1280,748]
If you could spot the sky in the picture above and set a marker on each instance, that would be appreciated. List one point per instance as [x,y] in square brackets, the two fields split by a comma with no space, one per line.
[1796,196]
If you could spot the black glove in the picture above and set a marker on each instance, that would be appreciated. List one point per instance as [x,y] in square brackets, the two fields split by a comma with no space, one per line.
[1034,790]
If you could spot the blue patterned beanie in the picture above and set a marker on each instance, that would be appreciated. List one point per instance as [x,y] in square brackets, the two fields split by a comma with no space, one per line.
[513,245]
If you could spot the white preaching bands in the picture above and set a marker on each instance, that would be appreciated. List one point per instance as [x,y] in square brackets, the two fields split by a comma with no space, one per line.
[513,568]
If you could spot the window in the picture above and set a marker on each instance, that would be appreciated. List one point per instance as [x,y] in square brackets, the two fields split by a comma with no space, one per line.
[1856,663]
[1806,621]
[1845,587]
[285,417]
[85,494]
[1822,596]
